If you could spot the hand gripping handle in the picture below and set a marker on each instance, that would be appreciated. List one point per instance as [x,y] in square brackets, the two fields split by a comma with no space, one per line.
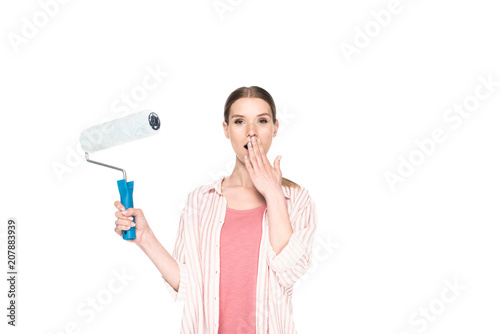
[126,189]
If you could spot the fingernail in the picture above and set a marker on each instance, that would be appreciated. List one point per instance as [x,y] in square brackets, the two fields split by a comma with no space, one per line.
[124,212]
[133,224]
[258,140]
[130,218]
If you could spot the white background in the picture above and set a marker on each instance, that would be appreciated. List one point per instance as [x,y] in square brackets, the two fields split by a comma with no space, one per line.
[382,256]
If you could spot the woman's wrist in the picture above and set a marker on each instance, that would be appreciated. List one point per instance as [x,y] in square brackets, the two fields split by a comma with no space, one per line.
[148,237]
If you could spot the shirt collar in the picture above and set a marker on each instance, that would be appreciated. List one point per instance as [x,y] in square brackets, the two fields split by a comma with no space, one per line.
[217,185]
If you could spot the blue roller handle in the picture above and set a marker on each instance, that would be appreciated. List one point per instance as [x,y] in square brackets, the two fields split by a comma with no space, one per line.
[126,189]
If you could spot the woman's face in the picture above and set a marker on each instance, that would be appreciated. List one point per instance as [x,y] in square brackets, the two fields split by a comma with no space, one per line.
[250,117]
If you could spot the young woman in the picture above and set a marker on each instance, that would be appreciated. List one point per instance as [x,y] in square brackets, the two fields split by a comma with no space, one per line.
[243,240]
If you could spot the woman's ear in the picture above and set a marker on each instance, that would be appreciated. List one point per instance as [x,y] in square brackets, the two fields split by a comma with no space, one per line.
[276,126]
[226,130]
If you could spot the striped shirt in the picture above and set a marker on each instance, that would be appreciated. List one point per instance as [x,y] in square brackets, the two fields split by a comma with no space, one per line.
[196,250]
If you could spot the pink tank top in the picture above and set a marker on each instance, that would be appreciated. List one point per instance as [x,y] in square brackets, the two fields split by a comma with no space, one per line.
[239,255]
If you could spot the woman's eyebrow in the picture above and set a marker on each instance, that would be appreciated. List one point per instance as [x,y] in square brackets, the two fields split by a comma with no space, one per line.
[264,114]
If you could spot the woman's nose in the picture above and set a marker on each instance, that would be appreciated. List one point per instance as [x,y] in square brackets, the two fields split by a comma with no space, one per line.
[251,131]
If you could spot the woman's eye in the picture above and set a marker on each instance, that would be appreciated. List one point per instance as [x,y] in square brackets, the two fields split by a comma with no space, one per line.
[238,121]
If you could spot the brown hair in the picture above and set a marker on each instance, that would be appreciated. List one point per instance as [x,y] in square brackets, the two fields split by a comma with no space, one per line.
[257,92]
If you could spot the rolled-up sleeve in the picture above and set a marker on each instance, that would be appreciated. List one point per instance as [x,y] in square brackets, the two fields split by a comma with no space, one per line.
[295,258]
[179,255]
[178,295]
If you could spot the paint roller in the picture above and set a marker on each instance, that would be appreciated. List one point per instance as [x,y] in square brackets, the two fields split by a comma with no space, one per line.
[117,132]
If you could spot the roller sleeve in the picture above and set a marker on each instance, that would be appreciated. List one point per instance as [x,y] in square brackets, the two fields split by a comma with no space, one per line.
[120,131]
